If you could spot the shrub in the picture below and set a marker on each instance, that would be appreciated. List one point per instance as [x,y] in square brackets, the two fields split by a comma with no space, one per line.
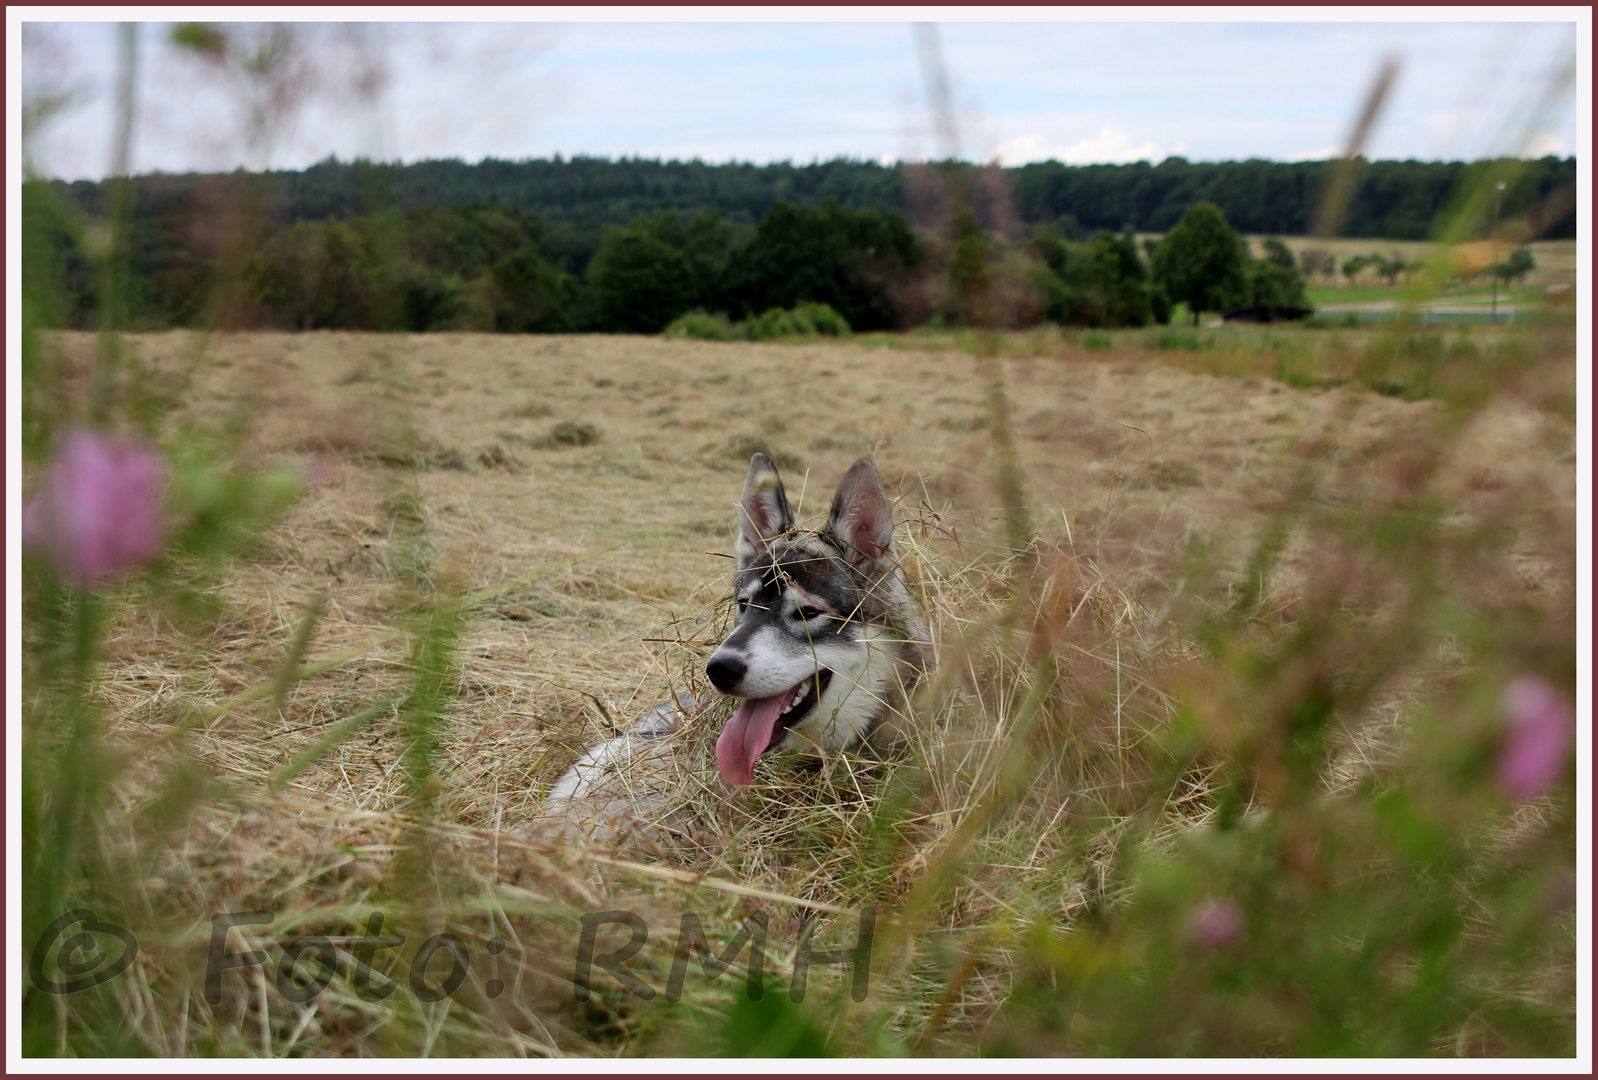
[821,319]
[699,326]
[775,323]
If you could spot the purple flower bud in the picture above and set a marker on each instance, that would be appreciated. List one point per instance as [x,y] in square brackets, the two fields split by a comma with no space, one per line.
[1215,923]
[319,470]
[1537,741]
[98,507]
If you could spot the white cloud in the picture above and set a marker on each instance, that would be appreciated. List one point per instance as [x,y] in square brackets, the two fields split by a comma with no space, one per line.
[1325,153]
[1549,142]
[1022,149]
[1111,146]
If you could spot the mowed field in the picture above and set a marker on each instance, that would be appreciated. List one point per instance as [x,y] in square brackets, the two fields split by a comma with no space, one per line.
[602,546]
[580,492]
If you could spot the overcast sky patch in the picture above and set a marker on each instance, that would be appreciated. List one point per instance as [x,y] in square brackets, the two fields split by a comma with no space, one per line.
[1080,92]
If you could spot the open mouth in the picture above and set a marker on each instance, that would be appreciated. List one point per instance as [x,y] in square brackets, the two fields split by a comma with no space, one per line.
[762,723]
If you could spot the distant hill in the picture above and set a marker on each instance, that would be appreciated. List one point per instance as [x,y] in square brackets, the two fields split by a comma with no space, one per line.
[1395,200]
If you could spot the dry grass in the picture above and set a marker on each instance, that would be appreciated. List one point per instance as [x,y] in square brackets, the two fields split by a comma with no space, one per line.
[596,580]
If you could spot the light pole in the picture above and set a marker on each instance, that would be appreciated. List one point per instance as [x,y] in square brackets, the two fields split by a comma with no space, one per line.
[1498,197]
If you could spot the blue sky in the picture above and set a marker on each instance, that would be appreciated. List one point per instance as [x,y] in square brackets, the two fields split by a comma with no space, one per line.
[774,90]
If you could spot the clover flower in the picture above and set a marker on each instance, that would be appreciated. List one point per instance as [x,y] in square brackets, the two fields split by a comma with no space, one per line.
[98,507]
[1537,741]
[1215,923]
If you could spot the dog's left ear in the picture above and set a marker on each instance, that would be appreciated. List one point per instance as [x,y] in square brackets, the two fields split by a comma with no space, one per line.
[862,519]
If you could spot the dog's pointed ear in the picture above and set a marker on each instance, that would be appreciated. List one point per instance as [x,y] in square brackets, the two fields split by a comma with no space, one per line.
[862,519]
[764,511]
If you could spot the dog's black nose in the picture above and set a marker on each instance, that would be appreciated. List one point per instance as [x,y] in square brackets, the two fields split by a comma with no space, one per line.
[725,671]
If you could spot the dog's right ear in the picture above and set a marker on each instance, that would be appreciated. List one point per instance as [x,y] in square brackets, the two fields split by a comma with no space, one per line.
[763,512]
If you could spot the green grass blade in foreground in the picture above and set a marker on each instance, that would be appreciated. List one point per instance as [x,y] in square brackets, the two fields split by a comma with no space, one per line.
[327,741]
[288,669]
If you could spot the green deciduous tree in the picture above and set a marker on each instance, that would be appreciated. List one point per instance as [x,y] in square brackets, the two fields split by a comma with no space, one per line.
[1278,253]
[529,295]
[1517,266]
[1317,263]
[1274,286]
[850,260]
[1101,283]
[1200,261]
[639,283]
[319,275]
[1392,268]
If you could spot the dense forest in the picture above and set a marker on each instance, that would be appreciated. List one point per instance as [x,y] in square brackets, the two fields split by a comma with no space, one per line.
[630,245]
[1396,200]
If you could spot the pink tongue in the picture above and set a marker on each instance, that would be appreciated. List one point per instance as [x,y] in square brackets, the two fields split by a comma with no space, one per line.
[748,734]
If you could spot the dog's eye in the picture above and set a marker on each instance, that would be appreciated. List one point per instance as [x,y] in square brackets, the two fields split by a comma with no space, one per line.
[809,614]
[743,604]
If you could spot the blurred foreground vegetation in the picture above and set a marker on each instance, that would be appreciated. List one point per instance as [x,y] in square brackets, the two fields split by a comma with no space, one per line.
[1320,801]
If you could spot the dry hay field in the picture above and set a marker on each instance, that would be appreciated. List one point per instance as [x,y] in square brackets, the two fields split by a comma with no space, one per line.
[579,493]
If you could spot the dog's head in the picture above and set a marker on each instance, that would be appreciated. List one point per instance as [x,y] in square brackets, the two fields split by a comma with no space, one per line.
[825,630]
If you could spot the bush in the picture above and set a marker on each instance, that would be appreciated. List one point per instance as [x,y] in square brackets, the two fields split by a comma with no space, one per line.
[803,320]
[821,319]
[698,326]
[775,323]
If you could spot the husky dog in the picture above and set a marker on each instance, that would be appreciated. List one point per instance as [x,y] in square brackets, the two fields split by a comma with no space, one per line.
[826,636]
[826,642]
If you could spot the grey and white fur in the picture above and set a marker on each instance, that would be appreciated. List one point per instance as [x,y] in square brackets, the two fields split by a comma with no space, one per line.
[826,642]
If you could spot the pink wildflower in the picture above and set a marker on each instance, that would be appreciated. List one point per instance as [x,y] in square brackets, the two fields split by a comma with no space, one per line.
[98,509]
[1537,741]
[1215,923]
[319,471]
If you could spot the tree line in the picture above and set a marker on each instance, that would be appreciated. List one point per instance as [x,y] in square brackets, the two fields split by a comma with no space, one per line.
[477,266]
[486,266]
[1394,200]
[205,250]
